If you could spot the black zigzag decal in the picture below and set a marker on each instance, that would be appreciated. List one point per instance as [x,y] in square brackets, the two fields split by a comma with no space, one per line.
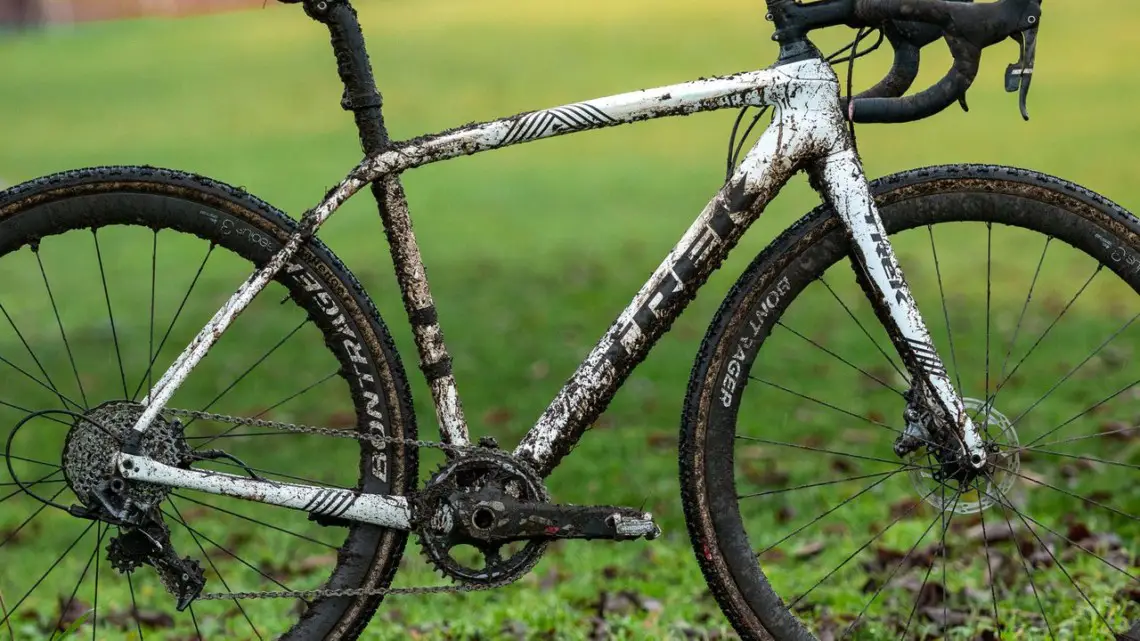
[537,124]
[927,357]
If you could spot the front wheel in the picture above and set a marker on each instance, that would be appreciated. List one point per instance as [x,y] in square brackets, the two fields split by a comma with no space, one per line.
[805,523]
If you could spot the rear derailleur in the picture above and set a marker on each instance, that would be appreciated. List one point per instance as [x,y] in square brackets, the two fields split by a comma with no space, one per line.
[498,509]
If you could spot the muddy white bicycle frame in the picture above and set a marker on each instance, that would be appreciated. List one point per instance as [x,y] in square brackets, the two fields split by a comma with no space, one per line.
[808,131]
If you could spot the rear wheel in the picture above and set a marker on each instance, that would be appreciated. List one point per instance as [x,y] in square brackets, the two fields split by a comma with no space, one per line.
[805,523]
[107,274]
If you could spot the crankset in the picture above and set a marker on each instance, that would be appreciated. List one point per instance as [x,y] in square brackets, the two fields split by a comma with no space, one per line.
[488,500]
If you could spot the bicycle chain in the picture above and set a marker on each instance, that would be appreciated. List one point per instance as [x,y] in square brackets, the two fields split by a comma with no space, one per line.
[335,433]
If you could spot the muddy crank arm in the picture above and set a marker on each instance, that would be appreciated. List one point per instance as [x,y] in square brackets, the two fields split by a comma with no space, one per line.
[491,517]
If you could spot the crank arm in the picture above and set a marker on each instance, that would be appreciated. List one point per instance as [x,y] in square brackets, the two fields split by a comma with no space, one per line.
[498,519]
[377,509]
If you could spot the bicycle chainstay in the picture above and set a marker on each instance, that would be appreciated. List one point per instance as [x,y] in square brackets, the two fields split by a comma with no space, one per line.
[325,431]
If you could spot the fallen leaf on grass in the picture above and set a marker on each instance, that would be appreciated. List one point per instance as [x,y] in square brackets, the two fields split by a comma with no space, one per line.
[317,562]
[767,476]
[661,440]
[1120,431]
[71,612]
[812,440]
[809,550]
[687,631]
[552,579]
[909,506]
[785,513]
[946,618]
[125,619]
[624,602]
[994,532]
[497,416]
[842,465]
[514,630]
[339,420]
[859,436]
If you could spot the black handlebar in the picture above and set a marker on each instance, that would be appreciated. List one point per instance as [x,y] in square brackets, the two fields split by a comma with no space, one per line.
[909,25]
[968,28]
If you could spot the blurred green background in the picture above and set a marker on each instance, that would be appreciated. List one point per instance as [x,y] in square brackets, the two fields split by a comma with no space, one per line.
[533,250]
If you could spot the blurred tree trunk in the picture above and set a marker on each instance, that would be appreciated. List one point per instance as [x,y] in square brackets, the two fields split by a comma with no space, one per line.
[21,13]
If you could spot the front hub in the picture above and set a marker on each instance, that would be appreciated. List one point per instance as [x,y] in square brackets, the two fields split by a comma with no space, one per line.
[946,478]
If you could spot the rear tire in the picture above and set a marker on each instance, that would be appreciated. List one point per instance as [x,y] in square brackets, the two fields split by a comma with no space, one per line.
[713,425]
[348,343]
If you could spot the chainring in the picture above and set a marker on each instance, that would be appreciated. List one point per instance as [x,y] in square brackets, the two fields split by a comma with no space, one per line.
[440,534]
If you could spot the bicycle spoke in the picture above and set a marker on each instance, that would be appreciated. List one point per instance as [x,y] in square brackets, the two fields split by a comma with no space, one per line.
[828,512]
[1070,494]
[842,360]
[268,473]
[63,609]
[249,370]
[946,518]
[29,460]
[1024,308]
[12,535]
[989,288]
[53,566]
[50,384]
[825,451]
[1003,500]
[40,509]
[151,356]
[229,430]
[28,411]
[51,388]
[253,520]
[945,310]
[864,329]
[1025,566]
[110,314]
[874,538]
[1072,439]
[1082,413]
[835,408]
[135,609]
[1092,459]
[821,484]
[170,328]
[1033,348]
[1074,370]
[95,605]
[229,552]
[214,567]
[197,631]
[989,566]
[890,577]
[59,322]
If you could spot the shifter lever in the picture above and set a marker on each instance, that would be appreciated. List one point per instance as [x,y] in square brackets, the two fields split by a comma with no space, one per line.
[1020,74]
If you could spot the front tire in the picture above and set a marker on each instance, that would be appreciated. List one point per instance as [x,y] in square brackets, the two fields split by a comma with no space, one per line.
[749,468]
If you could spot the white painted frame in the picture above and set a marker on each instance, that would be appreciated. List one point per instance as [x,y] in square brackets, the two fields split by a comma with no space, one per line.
[808,131]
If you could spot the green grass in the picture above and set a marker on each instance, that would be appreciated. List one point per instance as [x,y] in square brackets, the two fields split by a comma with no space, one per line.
[532,251]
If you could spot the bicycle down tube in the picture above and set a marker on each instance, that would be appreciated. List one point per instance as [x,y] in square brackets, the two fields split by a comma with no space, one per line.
[808,129]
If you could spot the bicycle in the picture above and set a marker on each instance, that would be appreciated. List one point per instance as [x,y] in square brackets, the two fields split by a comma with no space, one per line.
[485,518]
